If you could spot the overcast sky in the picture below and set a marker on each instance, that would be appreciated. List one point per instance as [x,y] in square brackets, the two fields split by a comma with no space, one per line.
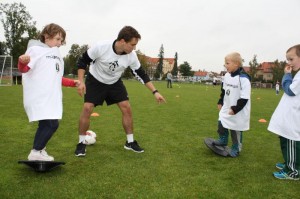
[202,32]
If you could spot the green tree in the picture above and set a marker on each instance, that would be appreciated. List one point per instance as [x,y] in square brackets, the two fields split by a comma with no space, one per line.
[143,60]
[174,71]
[127,74]
[185,69]
[278,70]
[2,48]
[18,28]
[253,68]
[72,57]
[144,64]
[159,68]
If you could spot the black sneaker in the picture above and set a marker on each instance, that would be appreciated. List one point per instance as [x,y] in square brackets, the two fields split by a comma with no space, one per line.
[134,146]
[80,149]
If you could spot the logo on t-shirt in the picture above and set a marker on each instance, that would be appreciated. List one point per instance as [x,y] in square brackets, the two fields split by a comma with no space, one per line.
[53,57]
[227,92]
[57,67]
[113,66]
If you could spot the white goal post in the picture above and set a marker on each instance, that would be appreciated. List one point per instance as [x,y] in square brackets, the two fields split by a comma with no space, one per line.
[6,70]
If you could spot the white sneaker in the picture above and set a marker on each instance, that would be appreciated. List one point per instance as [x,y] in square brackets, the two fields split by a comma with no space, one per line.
[40,155]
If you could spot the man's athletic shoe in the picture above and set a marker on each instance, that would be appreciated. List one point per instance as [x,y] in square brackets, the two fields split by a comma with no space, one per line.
[134,146]
[279,165]
[284,176]
[222,141]
[80,149]
[41,155]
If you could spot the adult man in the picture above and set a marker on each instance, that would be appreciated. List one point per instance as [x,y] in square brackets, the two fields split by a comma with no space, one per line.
[108,61]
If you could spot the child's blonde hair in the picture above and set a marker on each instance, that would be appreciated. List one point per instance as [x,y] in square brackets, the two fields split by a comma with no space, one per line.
[297,48]
[235,57]
[51,30]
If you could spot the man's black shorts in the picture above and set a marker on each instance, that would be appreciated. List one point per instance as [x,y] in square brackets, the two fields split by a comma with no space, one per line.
[97,92]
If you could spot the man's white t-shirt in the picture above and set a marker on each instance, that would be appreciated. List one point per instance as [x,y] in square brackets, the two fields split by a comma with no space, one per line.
[235,88]
[108,66]
[285,120]
[42,92]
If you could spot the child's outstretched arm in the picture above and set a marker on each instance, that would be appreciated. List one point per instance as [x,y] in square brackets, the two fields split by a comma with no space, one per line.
[70,82]
[23,63]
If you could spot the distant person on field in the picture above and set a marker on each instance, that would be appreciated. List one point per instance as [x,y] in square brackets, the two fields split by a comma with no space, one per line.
[42,68]
[108,61]
[169,79]
[234,104]
[214,81]
[277,88]
[285,120]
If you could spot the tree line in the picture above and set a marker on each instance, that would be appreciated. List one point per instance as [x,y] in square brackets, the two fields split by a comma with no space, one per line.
[277,70]
[19,28]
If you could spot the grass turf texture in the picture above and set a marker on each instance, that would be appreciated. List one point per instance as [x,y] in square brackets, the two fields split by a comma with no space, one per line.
[175,164]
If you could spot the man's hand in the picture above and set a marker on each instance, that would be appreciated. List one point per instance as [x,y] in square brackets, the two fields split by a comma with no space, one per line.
[81,89]
[159,98]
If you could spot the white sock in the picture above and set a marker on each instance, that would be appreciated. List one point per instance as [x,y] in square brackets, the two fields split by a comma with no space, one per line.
[130,138]
[81,138]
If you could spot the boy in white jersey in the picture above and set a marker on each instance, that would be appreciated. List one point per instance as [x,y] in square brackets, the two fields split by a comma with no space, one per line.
[42,70]
[108,60]
[285,120]
[234,104]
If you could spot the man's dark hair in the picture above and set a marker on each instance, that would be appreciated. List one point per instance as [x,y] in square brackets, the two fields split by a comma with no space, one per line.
[127,33]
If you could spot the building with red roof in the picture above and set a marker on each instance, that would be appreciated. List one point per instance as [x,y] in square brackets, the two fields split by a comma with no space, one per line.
[168,64]
[265,71]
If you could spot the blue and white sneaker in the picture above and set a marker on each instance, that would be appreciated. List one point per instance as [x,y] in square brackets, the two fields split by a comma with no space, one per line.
[222,141]
[234,151]
[284,176]
[279,165]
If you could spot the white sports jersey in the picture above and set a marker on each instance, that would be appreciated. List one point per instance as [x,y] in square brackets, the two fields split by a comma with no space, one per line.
[235,88]
[285,120]
[42,93]
[108,66]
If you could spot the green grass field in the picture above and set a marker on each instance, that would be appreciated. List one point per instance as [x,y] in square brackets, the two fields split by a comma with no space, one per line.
[175,164]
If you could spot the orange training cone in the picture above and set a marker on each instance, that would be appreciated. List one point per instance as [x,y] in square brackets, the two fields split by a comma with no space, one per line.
[262,120]
[95,114]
